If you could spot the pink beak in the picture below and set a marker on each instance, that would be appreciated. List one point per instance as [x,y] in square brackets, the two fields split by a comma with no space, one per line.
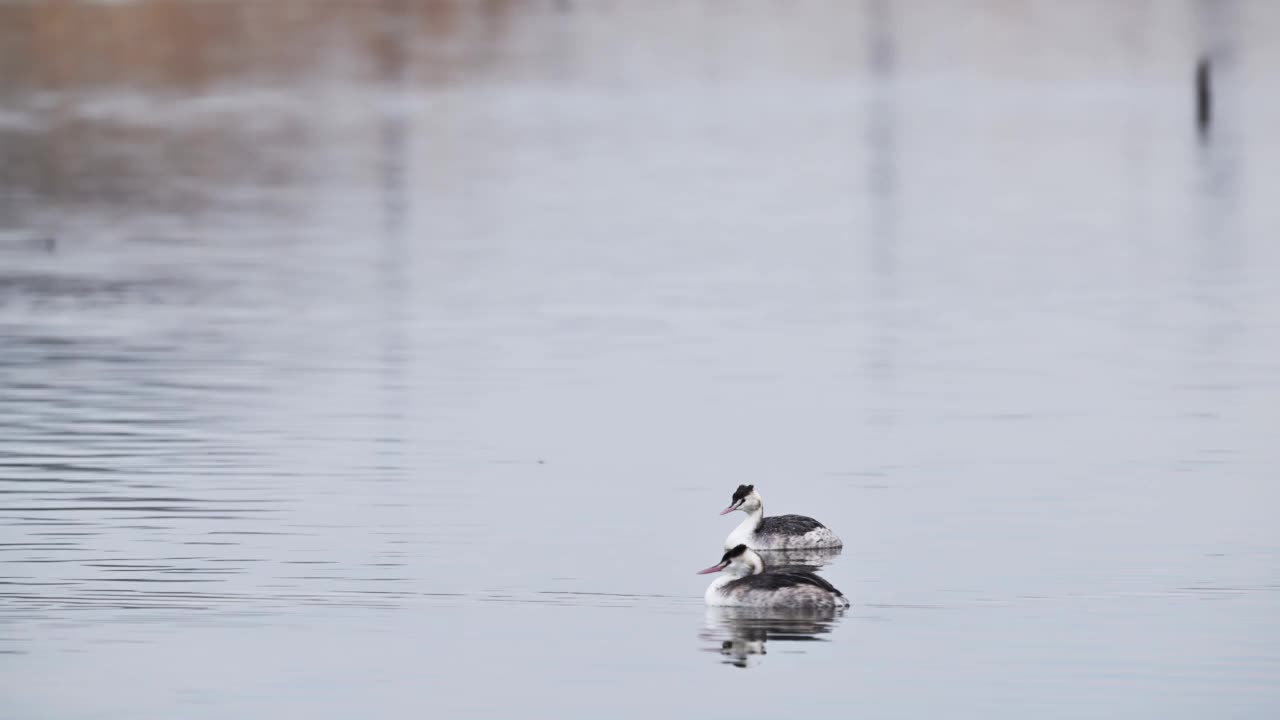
[713,569]
[728,510]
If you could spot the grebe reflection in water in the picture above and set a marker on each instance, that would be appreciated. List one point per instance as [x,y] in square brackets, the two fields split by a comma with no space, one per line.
[741,635]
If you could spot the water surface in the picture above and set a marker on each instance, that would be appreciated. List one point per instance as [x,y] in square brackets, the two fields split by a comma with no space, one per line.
[394,359]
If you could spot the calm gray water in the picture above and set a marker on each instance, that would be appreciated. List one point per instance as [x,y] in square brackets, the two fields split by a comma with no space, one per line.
[393,360]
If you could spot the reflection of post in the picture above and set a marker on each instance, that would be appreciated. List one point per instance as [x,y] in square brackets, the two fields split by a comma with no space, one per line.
[1217,195]
[392,57]
[882,134]
[1217,45]
[882,181]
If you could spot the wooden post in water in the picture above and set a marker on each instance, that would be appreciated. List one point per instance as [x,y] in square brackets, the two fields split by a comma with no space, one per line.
[1204,97]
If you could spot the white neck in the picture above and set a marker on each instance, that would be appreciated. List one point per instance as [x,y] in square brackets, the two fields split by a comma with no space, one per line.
[749,563]
[746,528]
[712,595]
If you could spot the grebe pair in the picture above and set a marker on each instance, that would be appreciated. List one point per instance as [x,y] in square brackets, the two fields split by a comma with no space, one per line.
[746,582]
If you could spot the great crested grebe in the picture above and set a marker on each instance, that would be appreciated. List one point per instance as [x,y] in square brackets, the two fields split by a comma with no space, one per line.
[781,532]
[746,584]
